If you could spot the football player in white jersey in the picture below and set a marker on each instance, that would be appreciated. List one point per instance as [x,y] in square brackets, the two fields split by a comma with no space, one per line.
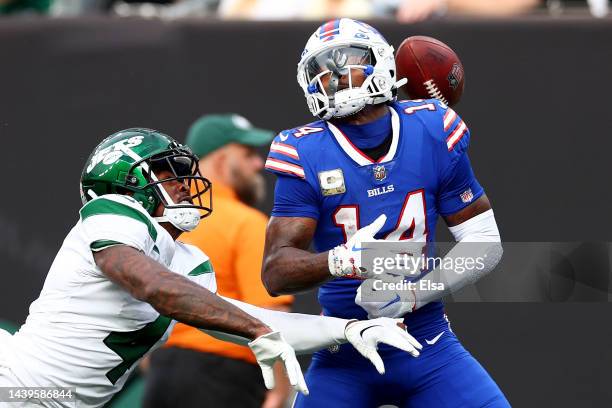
[121,279]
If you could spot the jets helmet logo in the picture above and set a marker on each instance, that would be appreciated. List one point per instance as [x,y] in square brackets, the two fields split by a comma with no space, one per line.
[112,153]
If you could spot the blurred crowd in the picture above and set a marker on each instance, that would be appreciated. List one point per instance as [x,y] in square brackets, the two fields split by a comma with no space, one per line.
[405,11]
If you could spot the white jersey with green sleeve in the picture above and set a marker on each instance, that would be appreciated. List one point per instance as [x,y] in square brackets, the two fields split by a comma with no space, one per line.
[192,262]
[85,331]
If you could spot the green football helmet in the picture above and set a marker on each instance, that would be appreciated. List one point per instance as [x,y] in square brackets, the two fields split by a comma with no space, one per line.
[128,162]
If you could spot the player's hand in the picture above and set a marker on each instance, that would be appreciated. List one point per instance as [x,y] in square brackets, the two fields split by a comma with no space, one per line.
[271,347]
[345,260]
[385,302]
[365,335]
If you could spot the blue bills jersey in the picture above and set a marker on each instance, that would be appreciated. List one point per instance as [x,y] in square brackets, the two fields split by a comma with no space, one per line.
[425,173]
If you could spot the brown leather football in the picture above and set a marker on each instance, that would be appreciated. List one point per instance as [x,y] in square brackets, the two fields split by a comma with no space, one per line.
[432,68]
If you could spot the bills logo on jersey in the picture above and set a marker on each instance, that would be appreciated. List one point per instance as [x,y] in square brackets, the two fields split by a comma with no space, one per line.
[332,182]
[380,173]
[467,196]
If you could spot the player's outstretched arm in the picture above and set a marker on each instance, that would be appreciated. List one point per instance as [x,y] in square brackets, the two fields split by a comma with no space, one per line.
[177,297]
[174,295]
[308,333]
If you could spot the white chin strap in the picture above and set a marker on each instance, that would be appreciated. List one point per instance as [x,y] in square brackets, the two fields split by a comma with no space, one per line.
[185,219]
[352,100]
[349,101]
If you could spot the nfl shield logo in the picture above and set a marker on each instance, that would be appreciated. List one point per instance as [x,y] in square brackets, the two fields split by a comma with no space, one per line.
[467,196]
[454,76]
[380,173]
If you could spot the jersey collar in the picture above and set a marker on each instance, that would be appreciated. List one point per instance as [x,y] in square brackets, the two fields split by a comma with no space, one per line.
[357,155]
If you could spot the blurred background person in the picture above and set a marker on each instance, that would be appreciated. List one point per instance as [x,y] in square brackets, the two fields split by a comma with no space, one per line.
[294,9]
[405,11]
[12,7]
[196,369]
[409,11]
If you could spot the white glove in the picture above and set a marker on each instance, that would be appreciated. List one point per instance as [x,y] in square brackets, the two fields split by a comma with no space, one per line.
[385,302]
[270,348]
[345,260]
[365,335]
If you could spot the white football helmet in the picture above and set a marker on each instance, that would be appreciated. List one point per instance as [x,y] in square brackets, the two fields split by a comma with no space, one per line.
[335,54]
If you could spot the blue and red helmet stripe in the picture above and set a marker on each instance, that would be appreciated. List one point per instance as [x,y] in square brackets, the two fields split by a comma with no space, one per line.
[329,30]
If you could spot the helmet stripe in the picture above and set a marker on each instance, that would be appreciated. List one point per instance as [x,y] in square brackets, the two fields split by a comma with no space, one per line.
[326,27]
[329,30]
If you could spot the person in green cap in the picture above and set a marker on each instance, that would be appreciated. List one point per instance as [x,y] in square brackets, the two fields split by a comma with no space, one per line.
[233,236]
[226,145]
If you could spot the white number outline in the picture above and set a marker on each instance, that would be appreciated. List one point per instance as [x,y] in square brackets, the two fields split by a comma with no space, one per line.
[411,109]
[306,130]
[353,224]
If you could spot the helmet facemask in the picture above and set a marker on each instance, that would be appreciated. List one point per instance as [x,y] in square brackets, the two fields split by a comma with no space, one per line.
[335,54]
[334,72]
[331,79]
[183,168]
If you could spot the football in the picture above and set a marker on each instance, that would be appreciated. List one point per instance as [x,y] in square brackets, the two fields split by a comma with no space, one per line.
[432,68]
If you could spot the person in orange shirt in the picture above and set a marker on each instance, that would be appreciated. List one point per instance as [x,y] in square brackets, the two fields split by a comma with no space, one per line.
[196,369]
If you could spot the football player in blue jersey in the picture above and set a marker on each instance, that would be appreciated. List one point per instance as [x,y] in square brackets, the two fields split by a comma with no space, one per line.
[374,168]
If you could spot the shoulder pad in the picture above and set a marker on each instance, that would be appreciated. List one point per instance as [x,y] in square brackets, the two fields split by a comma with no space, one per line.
[113,203]
[309,129]
[288,146]
[442,122]
[191,260]
[105,223]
